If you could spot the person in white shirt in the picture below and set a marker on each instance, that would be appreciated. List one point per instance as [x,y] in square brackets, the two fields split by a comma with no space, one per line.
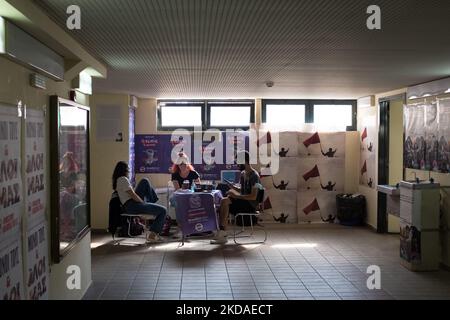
[139,201]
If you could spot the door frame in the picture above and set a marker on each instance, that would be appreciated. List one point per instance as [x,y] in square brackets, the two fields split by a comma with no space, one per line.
[383,158]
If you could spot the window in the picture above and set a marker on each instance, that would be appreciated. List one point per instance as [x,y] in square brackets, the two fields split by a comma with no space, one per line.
[206,114]
[288,116]
[180,114]
[333,117]
[322,115]
[230,114]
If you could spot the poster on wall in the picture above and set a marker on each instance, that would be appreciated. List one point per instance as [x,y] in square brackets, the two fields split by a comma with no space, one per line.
[316,207]
[37,263]
[328,145]
[414,147]
[325,174]
[131,141]
[367,172]
[285,179]
[443,159]
[431,137]
[367,127]
[36,192]
[11,271]
[281,206]
[11,201]
[288,145]
[152,153]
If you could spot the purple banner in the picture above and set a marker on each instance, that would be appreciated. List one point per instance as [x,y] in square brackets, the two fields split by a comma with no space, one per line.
[131,161]
[196,212]
[153,154]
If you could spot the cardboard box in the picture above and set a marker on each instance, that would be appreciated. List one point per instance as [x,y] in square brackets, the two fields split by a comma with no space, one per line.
[419,250]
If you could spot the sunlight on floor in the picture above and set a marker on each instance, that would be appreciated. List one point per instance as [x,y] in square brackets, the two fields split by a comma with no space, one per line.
[294,245]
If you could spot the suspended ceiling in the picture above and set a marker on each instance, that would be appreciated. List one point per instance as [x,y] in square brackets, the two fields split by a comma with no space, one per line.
[231,48]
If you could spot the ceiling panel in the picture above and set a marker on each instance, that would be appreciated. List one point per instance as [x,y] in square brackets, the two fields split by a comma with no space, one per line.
[230,48]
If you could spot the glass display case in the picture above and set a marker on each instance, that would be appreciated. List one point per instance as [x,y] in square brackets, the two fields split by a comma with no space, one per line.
[69,150]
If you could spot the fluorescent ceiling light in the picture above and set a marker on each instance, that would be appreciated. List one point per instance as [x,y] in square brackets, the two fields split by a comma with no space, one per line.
[448,90]
[426,95]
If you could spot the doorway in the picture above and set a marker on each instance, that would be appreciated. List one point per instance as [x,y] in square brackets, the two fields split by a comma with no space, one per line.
[390,158]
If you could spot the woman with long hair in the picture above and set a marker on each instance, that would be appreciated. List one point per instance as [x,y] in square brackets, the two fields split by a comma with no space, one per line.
[182,171]
[140,200]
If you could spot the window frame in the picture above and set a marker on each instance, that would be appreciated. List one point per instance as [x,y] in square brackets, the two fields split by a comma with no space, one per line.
[229,104]
[309,108]
[266,102]
[179,103]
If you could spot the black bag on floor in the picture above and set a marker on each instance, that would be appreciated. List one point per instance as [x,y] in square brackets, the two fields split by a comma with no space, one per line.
[135,226]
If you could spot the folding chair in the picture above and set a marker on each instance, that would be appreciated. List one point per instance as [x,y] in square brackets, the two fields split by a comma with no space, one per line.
[250,215]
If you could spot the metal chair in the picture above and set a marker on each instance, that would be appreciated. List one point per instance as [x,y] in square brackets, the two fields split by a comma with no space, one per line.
[256,213]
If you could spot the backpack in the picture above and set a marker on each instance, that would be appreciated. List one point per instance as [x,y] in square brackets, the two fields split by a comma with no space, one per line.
[136,227]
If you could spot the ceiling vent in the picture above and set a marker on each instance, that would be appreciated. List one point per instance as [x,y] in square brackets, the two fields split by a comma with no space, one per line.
[21,47]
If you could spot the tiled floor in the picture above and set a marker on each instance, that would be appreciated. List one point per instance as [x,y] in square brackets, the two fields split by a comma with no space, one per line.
[297,262]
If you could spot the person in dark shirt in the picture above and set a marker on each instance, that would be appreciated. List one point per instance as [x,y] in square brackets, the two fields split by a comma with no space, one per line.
[239,199]
[182,170]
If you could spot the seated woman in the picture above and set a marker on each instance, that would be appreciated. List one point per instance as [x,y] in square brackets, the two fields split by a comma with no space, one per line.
[139,201]
[182,170]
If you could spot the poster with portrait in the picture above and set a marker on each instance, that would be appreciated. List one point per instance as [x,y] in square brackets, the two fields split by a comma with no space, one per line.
[11,198]
[328,145]
[35,173]
[37,263]
[316,206]
[323,174]
[444,135]
[415,133]
[11,269]
[368,139]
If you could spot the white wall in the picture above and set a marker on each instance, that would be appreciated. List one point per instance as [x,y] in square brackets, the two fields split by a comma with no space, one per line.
[372,194]
[14,87]
[104,156]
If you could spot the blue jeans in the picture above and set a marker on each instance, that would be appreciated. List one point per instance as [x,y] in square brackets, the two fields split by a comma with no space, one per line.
[145,190]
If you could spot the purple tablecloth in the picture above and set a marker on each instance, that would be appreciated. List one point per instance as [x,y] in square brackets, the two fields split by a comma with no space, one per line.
[196,211]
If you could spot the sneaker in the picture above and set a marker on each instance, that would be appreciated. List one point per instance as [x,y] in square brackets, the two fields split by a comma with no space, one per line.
[153,237]
[220,238]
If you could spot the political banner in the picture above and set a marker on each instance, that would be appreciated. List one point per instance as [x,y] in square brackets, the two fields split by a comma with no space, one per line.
[11,272]
[11,201]
[37,263]
[35,175]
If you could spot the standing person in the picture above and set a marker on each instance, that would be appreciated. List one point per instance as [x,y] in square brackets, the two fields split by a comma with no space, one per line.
[139,201]
[239,199]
